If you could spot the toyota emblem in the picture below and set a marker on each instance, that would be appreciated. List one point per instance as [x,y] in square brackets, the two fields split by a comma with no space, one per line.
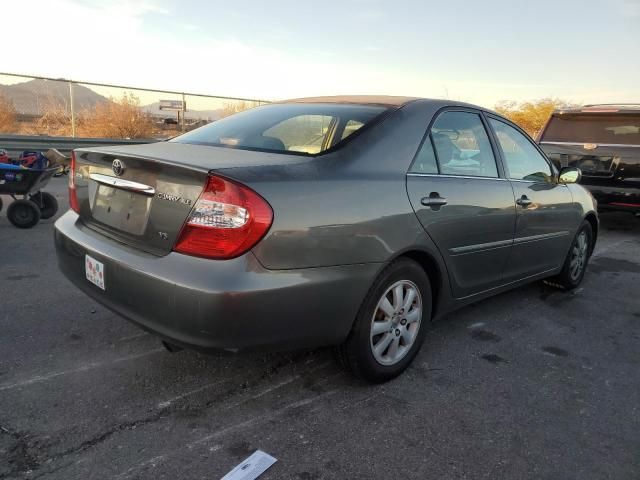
[118,167]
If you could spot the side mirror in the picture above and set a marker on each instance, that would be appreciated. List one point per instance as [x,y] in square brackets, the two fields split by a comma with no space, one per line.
[569,175]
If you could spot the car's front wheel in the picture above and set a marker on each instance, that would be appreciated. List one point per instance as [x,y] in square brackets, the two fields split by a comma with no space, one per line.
[575,263]
[391,324]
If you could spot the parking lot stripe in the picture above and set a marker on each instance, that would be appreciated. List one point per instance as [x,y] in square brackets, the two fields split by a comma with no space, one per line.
[168,403]
[84,368]
[132,337]
[131,472]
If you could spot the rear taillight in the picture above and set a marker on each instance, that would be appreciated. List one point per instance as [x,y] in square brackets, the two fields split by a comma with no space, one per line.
[73,196]
[227,220]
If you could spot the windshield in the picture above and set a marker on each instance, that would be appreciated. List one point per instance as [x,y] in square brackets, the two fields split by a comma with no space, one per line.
[295,127]
[622,129]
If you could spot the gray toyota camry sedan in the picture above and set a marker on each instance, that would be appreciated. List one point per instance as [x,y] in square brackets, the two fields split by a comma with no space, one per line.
[346,221]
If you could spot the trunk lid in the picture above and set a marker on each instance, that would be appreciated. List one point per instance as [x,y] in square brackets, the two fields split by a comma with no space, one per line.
[142,195]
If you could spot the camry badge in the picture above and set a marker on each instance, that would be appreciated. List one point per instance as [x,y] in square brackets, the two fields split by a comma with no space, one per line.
[173,198]
[118,167]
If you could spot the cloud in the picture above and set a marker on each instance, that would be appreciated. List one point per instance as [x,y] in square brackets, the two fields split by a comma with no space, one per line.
[108,43]
[369,15]
[630,8]
[124,7]
[112,42]
[190,27]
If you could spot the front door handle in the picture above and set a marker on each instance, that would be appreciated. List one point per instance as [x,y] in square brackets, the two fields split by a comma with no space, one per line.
[524,201]
[434,200]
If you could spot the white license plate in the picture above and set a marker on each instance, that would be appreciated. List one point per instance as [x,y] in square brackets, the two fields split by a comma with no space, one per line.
[94,271]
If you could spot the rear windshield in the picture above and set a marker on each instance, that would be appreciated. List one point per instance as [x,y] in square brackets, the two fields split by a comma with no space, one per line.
[622,129]
[295,127]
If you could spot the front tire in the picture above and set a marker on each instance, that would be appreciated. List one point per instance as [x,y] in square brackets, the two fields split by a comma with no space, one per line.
[575,265]
[391,324]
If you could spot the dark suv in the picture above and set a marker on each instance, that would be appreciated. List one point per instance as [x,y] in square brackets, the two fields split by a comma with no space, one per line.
[604,142]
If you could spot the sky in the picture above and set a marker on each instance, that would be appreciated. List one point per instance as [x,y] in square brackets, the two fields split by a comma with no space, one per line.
[483,52]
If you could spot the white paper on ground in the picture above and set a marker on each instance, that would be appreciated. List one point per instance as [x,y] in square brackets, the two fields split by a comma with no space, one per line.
[252,467]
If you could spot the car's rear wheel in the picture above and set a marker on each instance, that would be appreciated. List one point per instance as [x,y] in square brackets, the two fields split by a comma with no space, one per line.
[391,324]
[577,259]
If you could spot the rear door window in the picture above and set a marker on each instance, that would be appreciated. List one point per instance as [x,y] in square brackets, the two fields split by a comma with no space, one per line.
[462,145]
[425,161]
[352,126]
[522,158]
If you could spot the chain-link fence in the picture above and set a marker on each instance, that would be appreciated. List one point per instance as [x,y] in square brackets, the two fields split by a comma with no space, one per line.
[59,107]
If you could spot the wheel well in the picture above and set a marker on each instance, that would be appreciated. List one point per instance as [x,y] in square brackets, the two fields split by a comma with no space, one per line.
[432,270]
[591,218]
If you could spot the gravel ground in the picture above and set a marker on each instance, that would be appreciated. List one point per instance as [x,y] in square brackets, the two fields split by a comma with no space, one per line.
[533,383]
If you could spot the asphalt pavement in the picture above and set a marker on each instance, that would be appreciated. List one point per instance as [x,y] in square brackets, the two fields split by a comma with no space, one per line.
[534,383]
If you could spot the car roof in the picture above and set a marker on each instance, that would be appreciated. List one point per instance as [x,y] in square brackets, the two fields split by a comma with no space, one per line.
[382,100]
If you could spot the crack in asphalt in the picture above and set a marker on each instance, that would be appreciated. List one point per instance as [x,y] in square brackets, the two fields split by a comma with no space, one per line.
[31,462]
[246,423]
[19,454]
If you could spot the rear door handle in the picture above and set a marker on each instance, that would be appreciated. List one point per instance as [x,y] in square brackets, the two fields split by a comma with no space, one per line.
[524,201]
[433,200]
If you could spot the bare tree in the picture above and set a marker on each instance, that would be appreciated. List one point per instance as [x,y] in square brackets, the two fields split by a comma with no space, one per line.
[117,118]
[236,106]
[7,115]
[531,116]
[55,119]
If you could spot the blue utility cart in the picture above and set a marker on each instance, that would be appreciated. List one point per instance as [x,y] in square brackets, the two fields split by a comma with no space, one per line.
[25,186]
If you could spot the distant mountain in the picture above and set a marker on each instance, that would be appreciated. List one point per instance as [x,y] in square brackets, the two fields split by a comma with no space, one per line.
[208,115]
[30,97]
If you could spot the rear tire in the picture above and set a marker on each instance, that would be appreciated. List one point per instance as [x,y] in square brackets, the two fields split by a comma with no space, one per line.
[387,335]
[47,203]
[23,213]
[0,204]
[575,265]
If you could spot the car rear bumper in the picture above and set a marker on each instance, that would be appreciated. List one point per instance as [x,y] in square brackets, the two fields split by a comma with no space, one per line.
[616,198]
[209,304]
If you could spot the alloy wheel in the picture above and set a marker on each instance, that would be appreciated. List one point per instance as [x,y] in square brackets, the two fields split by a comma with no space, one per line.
[579,254]
[396,322]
